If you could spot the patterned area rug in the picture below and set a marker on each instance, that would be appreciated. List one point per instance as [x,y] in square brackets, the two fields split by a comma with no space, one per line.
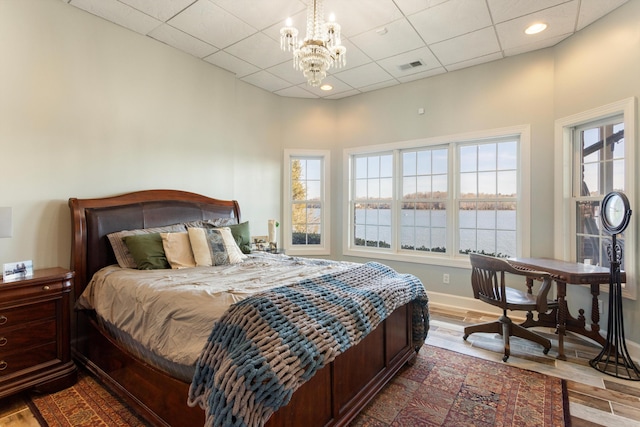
[87,403]
[442,388]
[445,388]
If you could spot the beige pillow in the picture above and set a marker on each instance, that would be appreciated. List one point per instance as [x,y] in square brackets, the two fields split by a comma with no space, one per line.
[215,246]
[177,248]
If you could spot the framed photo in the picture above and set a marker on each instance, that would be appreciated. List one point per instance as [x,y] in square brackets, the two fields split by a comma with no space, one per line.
[259,243]
[17,270]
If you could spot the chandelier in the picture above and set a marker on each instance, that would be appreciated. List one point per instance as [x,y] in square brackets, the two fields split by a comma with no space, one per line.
[321,48]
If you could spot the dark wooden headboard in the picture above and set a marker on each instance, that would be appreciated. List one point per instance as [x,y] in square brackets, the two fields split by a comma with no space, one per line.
[93,219]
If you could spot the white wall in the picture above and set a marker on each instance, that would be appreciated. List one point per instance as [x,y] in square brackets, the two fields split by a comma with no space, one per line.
[91,109]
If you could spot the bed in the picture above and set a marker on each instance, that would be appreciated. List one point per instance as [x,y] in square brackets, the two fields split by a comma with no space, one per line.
[331,396]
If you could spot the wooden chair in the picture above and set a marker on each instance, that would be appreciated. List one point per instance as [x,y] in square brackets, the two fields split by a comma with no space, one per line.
[488,276]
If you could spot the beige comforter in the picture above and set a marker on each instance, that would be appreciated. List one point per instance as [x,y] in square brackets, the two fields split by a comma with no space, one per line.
[172,312]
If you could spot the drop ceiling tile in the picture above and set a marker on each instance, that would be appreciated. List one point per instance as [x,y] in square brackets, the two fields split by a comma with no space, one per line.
[591,10]
[259,50]
[295,92]
[162,10]
[393,65]
[343,94]
[469,46]
[355,57]
[389,40]
[422,75]
[409,7]
[502,10]
[365,75]
[230,63]
[450,19]
[358,16]
[475,61]
[380,85]
[266,81]
[286,72]
[176,38]
[119,13]
[262,14]
[211,24]
[560,20]
[539,44]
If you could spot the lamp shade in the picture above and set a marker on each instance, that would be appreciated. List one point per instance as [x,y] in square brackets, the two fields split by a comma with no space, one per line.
[6,226]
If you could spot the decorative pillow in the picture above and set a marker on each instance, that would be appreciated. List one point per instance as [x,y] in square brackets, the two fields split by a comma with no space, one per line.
[242,236]
[147,251]
[177,248]
[124,258]
[214,222]
[214,246]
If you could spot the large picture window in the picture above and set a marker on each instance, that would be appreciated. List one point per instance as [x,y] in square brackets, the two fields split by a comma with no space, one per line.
[437,200]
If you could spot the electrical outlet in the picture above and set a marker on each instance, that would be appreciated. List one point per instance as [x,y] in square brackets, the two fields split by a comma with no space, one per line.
[445,278]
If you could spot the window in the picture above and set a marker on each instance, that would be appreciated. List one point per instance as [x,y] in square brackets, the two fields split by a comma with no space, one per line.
[488,198]
[306,218]
[599,169]
[596,158]
[423,225]
[437,200]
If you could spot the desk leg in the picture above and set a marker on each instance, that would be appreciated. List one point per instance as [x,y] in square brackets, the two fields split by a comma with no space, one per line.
[562,317]
[595,308]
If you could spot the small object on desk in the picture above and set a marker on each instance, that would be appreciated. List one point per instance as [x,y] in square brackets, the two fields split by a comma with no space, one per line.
[614,359]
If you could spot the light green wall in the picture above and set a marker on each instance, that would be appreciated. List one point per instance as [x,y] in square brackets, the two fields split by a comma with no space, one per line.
[515,91]
[90,109]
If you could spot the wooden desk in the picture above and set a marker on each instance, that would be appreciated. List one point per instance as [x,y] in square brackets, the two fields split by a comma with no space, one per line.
[572,273]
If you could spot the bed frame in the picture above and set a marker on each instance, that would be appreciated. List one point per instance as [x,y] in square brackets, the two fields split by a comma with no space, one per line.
[333,397]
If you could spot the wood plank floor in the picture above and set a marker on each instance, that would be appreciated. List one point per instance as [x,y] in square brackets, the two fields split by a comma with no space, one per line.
[595,399]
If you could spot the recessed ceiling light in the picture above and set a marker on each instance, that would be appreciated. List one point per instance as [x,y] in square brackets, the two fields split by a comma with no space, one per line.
[326,87]
[536,28]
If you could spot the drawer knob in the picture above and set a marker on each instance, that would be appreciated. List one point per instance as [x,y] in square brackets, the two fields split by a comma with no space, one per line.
[46,287]
[3,319]
[3,341]
[3,365]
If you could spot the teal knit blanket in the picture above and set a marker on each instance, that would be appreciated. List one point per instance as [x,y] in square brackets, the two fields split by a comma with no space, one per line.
[266,346]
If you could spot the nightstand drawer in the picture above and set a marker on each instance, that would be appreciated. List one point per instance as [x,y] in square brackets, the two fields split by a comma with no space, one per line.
[10,363]
[11,291]
[20,339]
[15,317]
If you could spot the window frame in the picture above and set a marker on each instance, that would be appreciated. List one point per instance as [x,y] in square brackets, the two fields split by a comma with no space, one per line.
[565,159]
[324,248]
[453,258]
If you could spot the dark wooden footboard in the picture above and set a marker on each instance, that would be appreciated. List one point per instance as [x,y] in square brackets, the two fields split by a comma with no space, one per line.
[333,397]
[330,398]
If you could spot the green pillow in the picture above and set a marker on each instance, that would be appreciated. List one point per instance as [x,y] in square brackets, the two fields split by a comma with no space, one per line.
[242,236]
[147,251]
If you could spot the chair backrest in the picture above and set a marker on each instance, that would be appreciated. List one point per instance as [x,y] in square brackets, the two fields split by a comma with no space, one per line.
[488,280]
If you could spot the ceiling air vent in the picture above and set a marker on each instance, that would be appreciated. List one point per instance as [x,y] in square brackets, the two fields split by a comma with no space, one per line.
[410,65]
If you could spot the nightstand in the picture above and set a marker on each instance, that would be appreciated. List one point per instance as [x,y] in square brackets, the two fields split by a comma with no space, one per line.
[35,346]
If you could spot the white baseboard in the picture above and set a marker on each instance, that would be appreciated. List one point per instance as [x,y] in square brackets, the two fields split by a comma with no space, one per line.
[472,304]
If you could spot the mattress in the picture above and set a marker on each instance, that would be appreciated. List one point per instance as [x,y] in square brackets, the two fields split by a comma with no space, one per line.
[164,317]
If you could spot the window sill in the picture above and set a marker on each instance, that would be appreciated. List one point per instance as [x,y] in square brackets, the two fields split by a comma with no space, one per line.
[432,259]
